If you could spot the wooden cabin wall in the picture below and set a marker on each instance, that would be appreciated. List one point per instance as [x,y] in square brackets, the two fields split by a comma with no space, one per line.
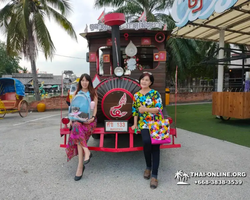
[159,72]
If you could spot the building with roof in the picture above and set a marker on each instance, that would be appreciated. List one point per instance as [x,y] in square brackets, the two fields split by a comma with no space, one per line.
[50,82]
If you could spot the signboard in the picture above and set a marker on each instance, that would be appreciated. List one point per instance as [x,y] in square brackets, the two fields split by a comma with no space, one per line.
[116,126]
[109,42]
[117,104]
[156,57]
[96,80]
[190,10]
[160,56]
[145,41]
[135,25]
[106,58]
[92,57]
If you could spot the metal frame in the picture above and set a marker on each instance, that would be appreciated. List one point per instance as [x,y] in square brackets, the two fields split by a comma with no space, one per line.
[12,109]
[100,130]
[225,25]
[224,61]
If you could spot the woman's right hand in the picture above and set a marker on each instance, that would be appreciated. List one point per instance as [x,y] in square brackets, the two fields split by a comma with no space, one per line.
[134,127]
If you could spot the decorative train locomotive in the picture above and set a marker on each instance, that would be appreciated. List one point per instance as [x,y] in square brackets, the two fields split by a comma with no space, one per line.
[117,58]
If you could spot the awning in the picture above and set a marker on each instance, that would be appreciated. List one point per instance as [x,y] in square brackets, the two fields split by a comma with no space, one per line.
[235,21]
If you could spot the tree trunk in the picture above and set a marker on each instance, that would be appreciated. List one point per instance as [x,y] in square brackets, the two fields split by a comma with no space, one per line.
[32,52]
[35,79]
[189,79]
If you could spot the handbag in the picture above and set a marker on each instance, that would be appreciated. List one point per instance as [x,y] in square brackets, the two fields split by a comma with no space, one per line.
[79,109]
[159,130]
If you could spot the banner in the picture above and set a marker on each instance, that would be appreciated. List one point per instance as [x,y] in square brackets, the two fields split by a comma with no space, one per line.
[190,10]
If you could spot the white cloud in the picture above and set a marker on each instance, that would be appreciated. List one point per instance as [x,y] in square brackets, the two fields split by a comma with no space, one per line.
[83,12]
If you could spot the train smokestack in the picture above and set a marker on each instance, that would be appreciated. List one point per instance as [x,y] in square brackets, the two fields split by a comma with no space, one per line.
[115,20]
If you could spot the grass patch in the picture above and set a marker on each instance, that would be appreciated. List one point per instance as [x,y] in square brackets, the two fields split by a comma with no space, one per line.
[198,118]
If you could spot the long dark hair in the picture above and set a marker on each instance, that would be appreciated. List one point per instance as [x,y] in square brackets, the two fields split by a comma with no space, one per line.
[91,89]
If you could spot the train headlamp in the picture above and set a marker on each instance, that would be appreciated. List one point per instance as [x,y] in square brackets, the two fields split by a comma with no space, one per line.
[118,71]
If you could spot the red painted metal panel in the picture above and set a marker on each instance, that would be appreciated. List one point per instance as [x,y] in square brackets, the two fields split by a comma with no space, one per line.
[101,140]
[100,130]
[113,19]
[131,140]
[64,131]
[111,91]
[131,149]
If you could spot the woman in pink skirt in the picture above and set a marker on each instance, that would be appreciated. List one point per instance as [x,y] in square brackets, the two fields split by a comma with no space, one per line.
[81,131]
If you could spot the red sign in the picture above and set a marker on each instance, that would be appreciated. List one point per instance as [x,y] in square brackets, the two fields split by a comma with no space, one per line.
[106,58]
[156,57]
[146,41]
[92,57]
[193,4]
[109,42]
[162,55]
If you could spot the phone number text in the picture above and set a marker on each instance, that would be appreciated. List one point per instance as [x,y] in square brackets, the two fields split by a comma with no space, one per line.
[218,182]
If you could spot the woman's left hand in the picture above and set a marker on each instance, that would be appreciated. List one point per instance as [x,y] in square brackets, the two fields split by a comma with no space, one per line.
[90,120]
[142,109]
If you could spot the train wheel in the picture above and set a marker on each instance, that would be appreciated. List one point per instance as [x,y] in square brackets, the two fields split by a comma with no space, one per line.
[224,118]
[96,136]
[2,112]
[23,108]
[115,98]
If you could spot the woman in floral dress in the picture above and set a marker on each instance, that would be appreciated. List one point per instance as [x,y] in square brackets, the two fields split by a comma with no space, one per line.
[146,105]
[81,131]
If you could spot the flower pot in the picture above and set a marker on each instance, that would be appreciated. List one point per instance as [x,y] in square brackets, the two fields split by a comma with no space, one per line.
[41,107]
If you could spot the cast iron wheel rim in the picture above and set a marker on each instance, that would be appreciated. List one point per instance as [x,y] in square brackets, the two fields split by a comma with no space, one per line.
[123,83]
[23,108]
[224,118]
[2,112]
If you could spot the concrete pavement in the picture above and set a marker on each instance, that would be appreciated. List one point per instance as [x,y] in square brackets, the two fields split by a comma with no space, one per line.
[33,166]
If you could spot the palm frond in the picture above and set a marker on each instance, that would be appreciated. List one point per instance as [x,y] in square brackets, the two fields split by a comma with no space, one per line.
[63,22]
[62,5]
[43,36]
[26,10]
[112,3]
[5,15]
[129,9]
[166,19]
[158,5]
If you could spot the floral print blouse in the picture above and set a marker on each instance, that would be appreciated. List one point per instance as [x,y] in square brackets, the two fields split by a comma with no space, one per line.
[150,100]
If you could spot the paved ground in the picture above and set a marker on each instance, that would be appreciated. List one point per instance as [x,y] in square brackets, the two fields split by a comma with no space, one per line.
[32,166]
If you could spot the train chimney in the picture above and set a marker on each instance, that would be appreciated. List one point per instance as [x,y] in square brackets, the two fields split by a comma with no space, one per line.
[115,20]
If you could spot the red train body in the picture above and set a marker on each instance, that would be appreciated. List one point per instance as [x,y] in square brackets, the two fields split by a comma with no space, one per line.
[115,93]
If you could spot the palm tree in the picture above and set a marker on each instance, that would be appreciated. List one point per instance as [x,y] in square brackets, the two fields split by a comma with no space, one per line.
[24,24]
[24,70]
[182,52]
[178,175]
[185,177]
[133,8]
